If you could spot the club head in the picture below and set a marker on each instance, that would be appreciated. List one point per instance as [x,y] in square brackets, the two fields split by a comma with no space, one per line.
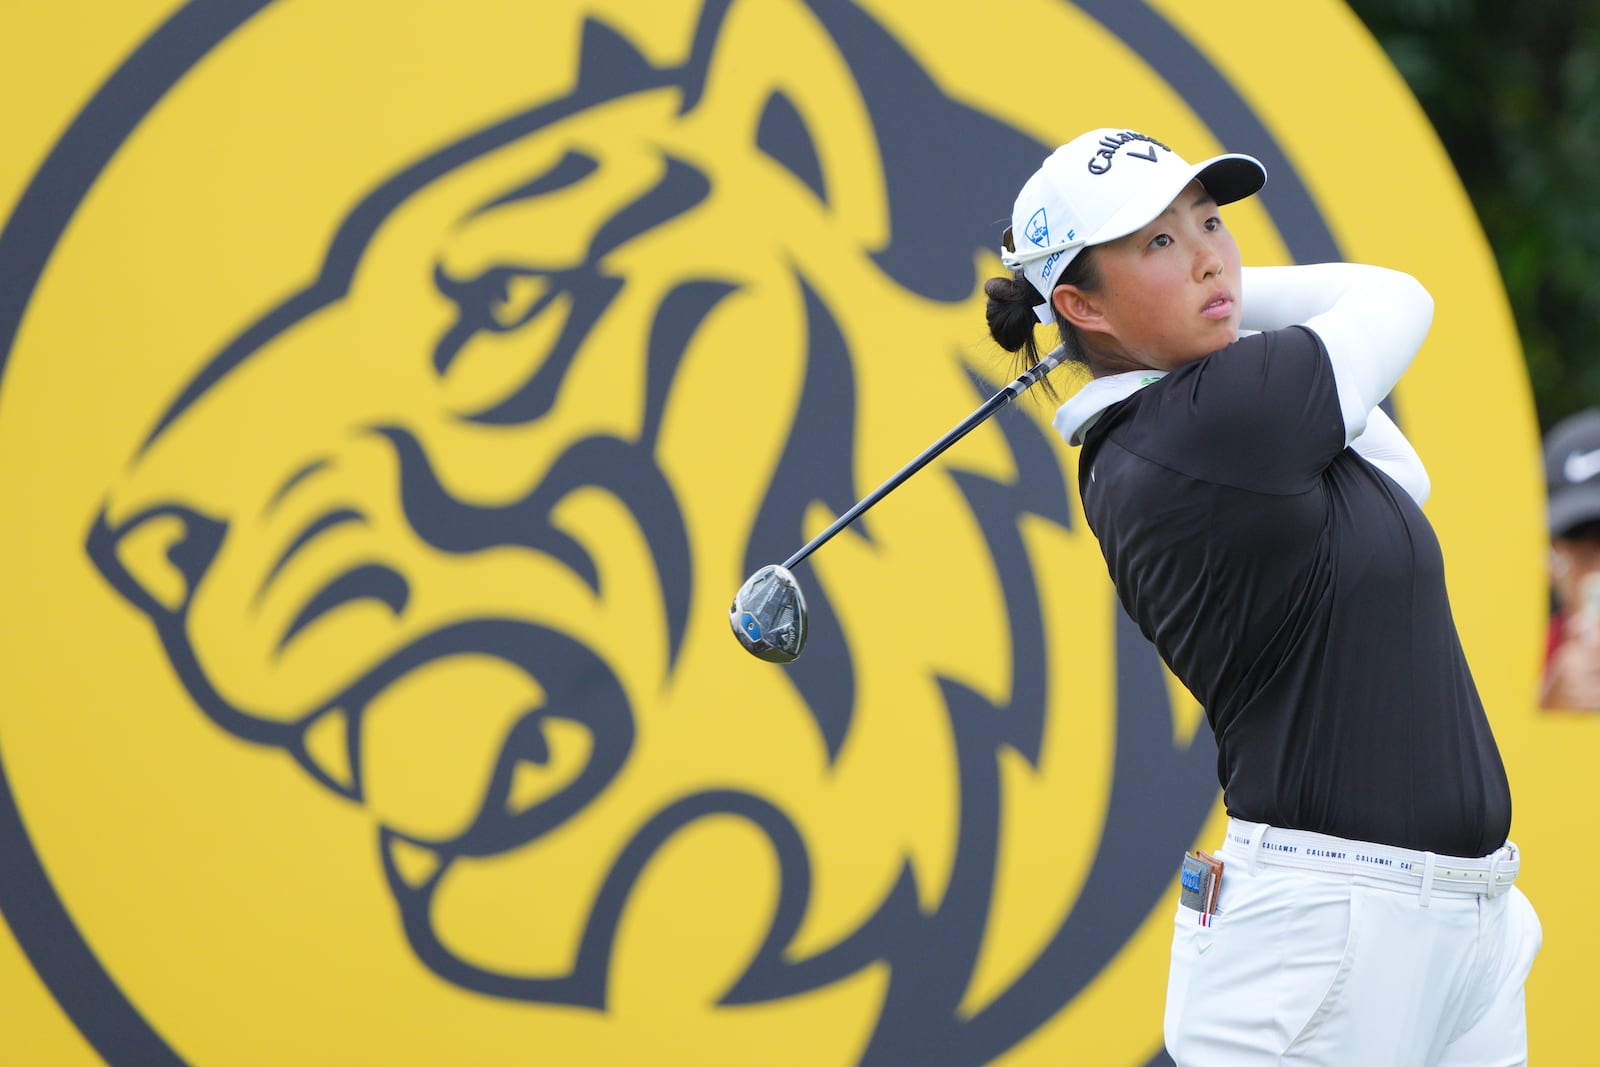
[769,615]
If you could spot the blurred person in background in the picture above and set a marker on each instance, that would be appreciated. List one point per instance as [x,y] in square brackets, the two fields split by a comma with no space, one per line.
[1572,482]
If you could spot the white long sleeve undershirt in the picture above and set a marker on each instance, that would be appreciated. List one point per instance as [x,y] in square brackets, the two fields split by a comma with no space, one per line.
[1372,321]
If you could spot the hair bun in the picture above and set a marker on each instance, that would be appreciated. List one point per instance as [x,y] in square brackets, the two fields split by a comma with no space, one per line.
[1010,310]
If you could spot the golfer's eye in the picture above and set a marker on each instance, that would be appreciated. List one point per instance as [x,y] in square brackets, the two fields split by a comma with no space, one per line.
[1213,224]
[1160,240]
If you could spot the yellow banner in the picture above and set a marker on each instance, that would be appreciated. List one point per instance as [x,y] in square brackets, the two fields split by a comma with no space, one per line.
[391,399]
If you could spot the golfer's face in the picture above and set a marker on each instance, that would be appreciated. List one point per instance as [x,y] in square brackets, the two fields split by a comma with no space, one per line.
[1170,291]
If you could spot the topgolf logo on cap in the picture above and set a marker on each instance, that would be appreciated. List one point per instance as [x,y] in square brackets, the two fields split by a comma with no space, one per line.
[1101,161]
[1039,228]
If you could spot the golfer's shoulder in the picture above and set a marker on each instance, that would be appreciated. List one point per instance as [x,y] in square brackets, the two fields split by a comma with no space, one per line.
[1260,392]
[1253,367]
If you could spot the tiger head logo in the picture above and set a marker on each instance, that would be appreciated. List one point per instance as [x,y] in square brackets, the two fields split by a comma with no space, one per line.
[455,524]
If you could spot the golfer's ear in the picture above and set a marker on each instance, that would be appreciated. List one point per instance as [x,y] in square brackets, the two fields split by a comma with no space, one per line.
[1079,308]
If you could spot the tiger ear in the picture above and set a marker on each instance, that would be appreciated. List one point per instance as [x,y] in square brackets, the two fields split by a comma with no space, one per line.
[610,65]
[771,75]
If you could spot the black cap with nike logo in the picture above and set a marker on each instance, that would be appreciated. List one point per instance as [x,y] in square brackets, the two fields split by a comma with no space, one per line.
[1572,472]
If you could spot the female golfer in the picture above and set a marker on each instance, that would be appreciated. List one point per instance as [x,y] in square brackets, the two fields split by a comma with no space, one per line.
[1260,517]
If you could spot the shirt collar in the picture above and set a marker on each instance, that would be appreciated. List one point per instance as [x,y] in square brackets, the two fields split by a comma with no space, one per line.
[1074,418]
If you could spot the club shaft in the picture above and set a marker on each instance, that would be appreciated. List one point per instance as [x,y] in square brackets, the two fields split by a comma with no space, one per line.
[1025,381]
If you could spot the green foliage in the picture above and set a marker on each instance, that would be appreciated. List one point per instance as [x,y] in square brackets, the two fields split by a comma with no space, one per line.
[1513,90]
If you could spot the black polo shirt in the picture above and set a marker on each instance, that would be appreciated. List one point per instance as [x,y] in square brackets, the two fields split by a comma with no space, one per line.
[1299,594]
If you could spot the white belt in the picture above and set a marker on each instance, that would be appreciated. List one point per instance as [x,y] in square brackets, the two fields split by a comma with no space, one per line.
[1426,872]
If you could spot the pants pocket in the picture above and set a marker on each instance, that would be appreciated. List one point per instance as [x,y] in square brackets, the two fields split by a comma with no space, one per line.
[1242,988]
[1320,975]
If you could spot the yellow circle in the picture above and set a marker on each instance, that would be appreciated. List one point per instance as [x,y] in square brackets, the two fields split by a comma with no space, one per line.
[229,854]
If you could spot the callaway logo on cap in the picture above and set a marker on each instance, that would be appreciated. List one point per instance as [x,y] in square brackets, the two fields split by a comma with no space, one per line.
[1108,150]
[1103,185]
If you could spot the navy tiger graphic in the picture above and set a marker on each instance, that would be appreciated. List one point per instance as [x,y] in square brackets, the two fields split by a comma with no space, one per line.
[492,474]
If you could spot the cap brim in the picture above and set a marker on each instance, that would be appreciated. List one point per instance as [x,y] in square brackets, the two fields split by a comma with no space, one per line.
[1227,178]
[1231,177]
[1573,507]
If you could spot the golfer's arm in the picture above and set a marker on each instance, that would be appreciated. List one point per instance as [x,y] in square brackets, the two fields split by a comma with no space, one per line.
[1385,447]
[1371,320]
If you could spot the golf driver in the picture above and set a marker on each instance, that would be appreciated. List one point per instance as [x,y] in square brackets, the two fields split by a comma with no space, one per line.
[769,610]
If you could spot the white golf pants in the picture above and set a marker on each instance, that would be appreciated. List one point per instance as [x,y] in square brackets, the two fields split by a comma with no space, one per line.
[1332,952]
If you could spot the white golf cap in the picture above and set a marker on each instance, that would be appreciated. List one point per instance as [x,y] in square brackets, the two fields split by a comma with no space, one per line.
[1103,185]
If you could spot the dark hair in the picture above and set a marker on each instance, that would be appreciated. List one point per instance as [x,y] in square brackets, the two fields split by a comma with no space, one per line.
[1011,317]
